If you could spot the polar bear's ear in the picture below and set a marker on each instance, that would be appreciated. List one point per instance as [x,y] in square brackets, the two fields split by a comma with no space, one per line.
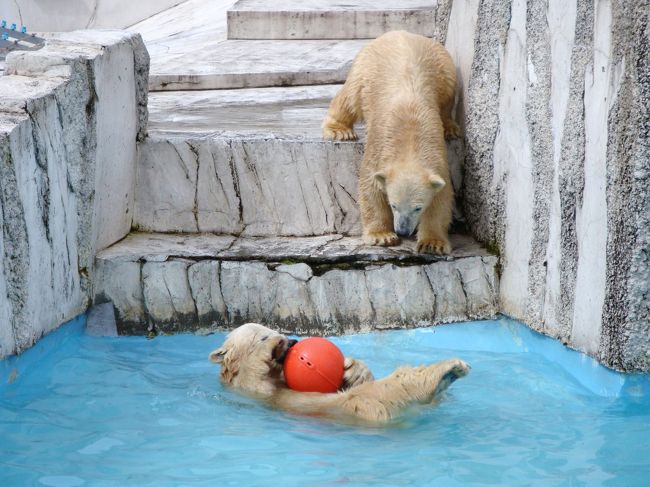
[216,356]
[229,363]
[379,179]
[437,182]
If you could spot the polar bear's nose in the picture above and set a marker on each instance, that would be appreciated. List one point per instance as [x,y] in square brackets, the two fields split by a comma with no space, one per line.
[402,231]
[405,225]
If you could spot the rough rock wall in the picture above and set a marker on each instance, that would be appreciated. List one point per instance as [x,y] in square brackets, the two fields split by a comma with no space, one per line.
[557,163]
[69,118]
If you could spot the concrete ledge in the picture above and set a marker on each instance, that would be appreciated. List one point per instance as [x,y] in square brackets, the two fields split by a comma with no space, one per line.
[320,285]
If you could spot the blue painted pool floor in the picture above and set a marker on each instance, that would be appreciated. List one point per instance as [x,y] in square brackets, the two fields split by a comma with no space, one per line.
[80,410]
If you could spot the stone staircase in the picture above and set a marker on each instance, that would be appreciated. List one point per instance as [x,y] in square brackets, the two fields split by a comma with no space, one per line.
[242,212]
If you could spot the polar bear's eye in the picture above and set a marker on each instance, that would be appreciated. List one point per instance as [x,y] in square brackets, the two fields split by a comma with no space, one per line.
[417,208]
[392,206]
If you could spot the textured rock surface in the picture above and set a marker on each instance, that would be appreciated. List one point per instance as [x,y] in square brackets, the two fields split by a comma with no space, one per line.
[252,186]
[316,285]
[65,190]
[323,19]
[557,167]
[625,332]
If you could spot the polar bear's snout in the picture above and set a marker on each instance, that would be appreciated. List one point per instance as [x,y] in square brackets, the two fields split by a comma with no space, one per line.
[280,350]
[405,225]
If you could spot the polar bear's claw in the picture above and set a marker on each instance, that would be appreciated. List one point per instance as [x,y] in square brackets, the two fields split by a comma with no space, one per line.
[434,246]
[385,239]
[334,130]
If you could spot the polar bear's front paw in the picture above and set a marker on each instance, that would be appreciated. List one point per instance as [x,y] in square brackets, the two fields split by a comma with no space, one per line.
[355,372]
[385,239]
[434,246]
[460,368]
[455,369]
[333,130]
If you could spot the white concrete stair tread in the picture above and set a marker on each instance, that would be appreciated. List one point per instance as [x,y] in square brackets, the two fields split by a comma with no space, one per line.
[328,19]
[243,64]
[280,112]
[320,285]
[189,51]
[336,248]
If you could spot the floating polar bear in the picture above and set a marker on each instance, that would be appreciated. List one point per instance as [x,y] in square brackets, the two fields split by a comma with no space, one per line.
[403,86]
[251,363]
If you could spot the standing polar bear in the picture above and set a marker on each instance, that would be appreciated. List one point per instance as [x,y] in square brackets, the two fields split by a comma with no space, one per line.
[403,86]
[251,360]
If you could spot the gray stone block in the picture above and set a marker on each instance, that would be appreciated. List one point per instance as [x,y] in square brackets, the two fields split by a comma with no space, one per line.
[120,282]
[205,285]
[101,321]
[167,295]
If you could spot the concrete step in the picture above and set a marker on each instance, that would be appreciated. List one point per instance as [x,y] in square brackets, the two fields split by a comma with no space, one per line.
[329,284]
[249,162]
[244,64]
[328,19]
[189,51]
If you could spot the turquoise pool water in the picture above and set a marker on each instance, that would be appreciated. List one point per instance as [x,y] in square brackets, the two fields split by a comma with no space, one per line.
[79,410]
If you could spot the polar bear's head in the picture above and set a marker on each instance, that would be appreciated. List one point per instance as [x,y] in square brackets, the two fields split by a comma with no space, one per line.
[409,191]
[251,358]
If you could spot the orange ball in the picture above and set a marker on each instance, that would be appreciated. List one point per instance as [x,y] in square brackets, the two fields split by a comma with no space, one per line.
[314,365]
